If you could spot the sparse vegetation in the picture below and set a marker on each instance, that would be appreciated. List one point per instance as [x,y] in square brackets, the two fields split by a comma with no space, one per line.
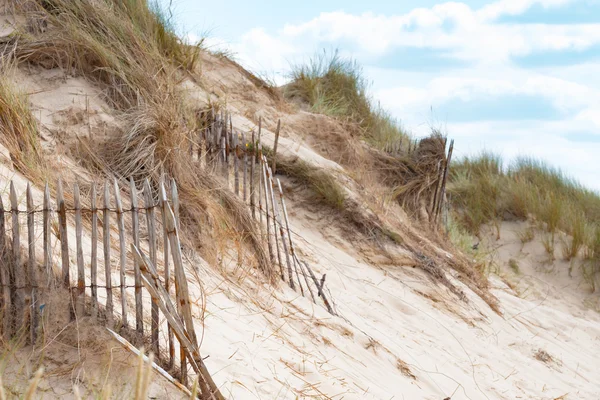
[333,85]
[514,265]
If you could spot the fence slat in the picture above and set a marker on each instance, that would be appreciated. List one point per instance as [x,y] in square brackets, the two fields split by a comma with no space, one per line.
[31,264]
[320,290]
[47,237]
[244,149]
[80,298]
[5,279]
[252,163]
[274,168]
[236,163]
[149,203]
[94,256]
[258,158]
[64,238]
[267,215]
[172,228]
[107,263]
[164,205]
[277,223]
[122,252]
[139,308]
[17,269]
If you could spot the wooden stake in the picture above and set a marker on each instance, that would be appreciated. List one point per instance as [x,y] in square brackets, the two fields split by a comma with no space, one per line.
[64,238]
[274,168]
[258,157]
[31,264]
[320,289]
[149,203]
[266,199]
[236,163]
[122,252]
[277,226]
[445,178]
[139,308]
[94,256]
[18,271]
[245,152]
[7,310]
[47,237]
[80,296]
[164,206]
[252,178]
[107,262]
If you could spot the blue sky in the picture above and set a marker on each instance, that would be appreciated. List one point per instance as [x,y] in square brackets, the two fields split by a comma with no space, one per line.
[519,77]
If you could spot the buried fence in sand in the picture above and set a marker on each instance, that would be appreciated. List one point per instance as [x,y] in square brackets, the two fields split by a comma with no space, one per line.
[30,288]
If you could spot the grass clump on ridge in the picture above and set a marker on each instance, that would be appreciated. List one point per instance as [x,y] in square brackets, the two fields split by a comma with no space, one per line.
[335,86]
[484,191]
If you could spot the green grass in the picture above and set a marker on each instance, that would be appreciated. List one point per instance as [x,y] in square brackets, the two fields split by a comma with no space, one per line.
[484,191]
[333,85]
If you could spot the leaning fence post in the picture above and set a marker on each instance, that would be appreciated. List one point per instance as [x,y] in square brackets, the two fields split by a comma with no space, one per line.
[444,179]
[94,257]
[5,279]
[107,263]
[320,289]
[258,156]
[31,264]
[164,205]
[274,168]
[17,268]
[277,222]
[139,311]
[80,298]
[266,192]
[149,203]
[123,254]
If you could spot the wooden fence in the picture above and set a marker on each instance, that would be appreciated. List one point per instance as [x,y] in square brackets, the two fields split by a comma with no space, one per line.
[27,285]
[238,157]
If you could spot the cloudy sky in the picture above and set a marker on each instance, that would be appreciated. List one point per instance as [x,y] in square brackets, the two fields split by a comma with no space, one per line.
[519,77]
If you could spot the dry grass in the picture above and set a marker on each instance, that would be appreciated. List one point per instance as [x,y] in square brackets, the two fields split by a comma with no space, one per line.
[19,131]
[335,86]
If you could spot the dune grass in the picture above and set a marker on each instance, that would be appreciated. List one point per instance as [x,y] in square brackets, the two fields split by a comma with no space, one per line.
[485,191]
[333,85]
[19,130]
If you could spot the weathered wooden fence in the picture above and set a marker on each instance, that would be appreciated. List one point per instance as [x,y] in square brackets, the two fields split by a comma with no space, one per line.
[27,284]
[238,157]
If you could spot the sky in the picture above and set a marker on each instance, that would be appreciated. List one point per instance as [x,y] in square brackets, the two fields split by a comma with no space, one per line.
[517,77]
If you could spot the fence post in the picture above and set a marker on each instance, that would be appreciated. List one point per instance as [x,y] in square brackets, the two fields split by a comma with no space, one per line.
[31,264]
[149,203]
[17,268]
[175,247]
[236,163]
[164,205]
[245,158]
[444,179]
[107,263]
[80,300]
[62,232]
[277,222]
[264,185]
[5,279]
[258,156]
[94,257]
[47,237]
[139,310]
[122,253]
[275,146]
[252,163]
